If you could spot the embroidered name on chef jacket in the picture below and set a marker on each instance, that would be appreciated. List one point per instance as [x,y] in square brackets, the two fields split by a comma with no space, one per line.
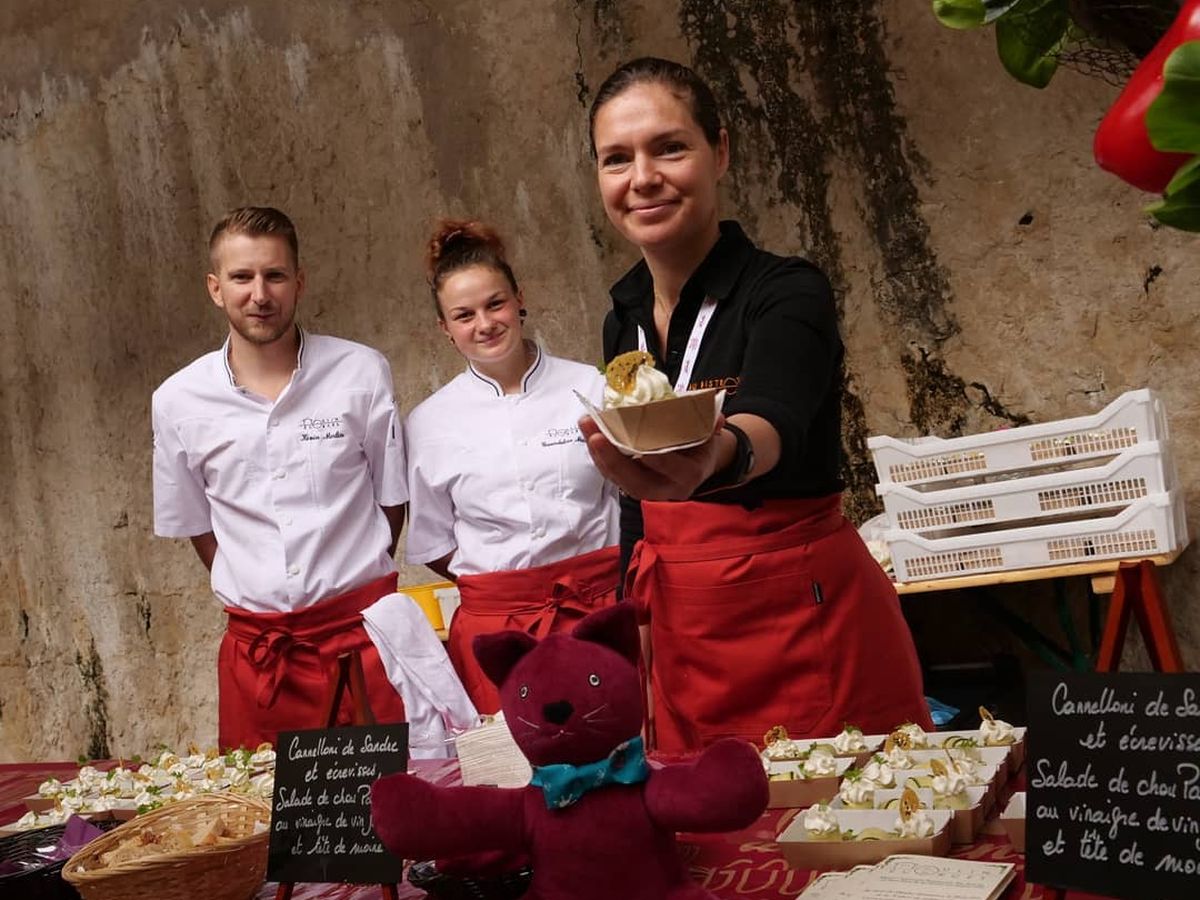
[321,428]
[555,437]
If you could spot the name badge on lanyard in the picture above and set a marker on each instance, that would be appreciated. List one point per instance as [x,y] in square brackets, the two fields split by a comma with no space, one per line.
[703,317]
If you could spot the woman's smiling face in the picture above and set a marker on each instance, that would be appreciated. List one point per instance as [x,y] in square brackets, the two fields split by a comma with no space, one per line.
[656,169]
[481,313]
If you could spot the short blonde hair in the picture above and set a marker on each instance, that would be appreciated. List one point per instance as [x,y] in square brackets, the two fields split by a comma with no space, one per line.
[255,221]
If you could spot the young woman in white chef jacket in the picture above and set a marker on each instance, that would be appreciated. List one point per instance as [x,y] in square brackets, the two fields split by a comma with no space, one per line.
[504,498]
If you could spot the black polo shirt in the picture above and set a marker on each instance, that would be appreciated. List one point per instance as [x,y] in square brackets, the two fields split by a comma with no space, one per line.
[773,345]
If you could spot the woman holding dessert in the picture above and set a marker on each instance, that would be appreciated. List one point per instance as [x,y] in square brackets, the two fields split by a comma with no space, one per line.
[765,606]
[503,497]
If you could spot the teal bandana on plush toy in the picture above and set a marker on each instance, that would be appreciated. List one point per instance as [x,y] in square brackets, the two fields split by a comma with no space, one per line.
[562,784]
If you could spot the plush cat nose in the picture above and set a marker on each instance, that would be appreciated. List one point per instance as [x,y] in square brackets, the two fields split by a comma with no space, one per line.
[558,712]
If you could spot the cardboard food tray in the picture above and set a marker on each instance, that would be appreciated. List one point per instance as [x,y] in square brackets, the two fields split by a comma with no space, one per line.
[997,757]
[858,758]
[662,426]
[964,823]
[39,804]
[803,792]
[802,853]
[119,815]
[1013,820]
[990,771]
[1016,750]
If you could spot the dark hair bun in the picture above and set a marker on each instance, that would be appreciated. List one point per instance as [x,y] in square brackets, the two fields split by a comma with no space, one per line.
[460,239]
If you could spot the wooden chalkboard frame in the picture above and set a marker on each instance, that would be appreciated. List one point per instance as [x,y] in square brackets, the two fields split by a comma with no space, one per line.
[1135,592]
[350,677]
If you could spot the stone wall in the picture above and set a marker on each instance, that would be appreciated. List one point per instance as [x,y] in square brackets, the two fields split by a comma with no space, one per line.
[989,274]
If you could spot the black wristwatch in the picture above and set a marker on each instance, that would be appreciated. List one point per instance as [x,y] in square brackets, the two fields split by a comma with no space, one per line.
[738,469]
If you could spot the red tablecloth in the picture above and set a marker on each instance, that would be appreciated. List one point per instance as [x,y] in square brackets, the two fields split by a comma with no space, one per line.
[743,864]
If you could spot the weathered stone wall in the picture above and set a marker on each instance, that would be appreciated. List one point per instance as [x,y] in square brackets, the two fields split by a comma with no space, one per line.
[989,274]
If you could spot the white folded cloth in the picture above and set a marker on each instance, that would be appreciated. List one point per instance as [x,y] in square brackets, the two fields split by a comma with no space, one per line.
[435,703]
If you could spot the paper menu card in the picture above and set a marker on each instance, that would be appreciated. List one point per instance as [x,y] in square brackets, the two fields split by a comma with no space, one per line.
[904,877]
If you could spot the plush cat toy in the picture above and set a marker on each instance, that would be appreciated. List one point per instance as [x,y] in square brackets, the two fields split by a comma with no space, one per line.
[596,821]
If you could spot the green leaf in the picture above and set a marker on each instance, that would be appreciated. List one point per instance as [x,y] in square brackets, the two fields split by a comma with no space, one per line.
[963,14]
[1173,119]
[1029,37]
[1180,206]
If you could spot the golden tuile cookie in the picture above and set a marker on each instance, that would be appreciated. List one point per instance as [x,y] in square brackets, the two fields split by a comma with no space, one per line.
[909,804]
[986,714]
[621,373]
[778,733]
[937,767]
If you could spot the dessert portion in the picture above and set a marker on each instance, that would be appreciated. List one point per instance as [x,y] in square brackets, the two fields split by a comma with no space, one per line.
[820,824]
[949,787]
[849,740]
[914,734]
[913,821]
[632,380]
[969,769]
[819,763]
[994,732]
[856,792]
[781,748]
[960,747]
[895,751]
[958,741]
[878,772]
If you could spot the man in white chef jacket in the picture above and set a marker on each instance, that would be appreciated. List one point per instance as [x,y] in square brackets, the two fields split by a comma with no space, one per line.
[280,457]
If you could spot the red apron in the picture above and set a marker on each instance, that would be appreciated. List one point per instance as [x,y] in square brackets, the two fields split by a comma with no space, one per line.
[276,671]
[772,616]
[540,601]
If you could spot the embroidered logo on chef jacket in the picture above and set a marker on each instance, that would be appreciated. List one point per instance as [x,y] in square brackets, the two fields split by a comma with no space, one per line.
[553,437]
[321,428]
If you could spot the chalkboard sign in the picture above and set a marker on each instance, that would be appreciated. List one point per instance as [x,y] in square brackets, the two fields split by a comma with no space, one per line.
[321,812]
[1113,768]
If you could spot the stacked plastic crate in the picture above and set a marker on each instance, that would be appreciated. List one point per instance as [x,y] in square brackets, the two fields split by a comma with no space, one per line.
[1076,490]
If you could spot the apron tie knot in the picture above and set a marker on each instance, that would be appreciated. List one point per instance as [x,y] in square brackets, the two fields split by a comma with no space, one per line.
[269,652]
[566,592]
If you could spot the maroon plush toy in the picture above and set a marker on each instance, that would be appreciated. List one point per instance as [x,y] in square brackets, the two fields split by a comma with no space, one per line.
[597,822]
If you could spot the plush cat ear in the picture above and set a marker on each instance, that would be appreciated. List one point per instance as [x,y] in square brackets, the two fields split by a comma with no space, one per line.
[499,652]
[614,627]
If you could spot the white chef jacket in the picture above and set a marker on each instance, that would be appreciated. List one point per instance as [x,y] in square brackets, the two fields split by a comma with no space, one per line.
[505,481]
[292,489]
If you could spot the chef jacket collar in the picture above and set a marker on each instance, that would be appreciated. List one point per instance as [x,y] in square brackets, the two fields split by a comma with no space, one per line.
[715,277]
[528,380]
[229,369]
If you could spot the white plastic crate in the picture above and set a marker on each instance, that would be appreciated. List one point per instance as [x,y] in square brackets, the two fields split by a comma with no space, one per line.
[1133,418]
[1141,470]
[1150,526]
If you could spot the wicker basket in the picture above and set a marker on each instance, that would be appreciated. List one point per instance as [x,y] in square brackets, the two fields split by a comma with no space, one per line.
[229,870]
[44,882]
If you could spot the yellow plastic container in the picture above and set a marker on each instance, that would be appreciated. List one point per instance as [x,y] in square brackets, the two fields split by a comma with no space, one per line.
[425,597]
